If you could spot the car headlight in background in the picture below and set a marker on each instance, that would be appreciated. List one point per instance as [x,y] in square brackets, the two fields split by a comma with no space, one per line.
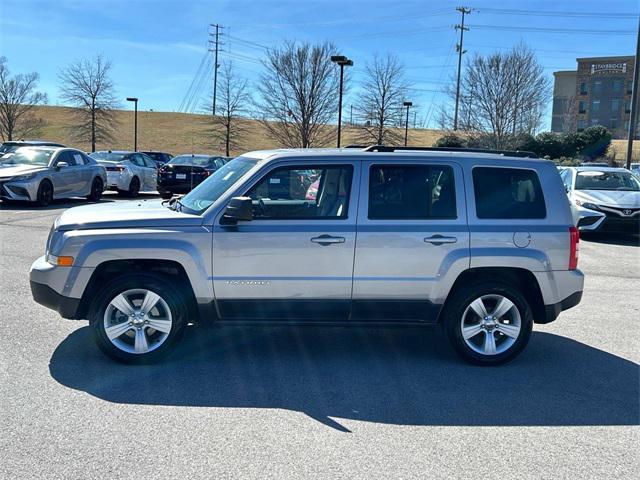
[590,206]
[21,178]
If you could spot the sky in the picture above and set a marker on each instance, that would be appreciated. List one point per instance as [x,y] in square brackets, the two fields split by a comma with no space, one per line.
[157,48]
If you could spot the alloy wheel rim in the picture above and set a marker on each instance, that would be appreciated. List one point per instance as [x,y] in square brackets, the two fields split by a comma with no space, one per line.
[137,321]
[491,324]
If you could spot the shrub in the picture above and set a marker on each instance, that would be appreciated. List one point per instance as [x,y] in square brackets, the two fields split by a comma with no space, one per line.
[451,140]
[549,145]
[596,142]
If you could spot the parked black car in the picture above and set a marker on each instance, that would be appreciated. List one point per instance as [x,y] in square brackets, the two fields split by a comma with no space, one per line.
[159,157]
[13,145]
[184,172]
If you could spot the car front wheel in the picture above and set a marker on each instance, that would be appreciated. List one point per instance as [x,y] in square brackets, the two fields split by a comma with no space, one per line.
[488,323]
[45,193]
[137,319]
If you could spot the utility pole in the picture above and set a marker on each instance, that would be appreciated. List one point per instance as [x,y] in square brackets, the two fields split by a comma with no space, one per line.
[464,11]
[406,122]
[216,44]
[351,116]
[634,101]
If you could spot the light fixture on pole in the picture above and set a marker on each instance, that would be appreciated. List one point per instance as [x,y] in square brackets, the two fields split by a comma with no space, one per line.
[343,62]
[406,123]
[135,122]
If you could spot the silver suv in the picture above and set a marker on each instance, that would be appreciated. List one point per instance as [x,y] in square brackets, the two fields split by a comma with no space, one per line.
[483,244]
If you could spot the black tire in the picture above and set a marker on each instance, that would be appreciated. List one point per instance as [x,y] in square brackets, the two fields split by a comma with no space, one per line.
[166,195]
[44,196]
[453,318]
[97,187]
[130,281]
[134,187]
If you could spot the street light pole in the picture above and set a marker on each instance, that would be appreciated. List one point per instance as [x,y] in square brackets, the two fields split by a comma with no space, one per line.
[343,62]
[406,123]
[634,101]
[135,122]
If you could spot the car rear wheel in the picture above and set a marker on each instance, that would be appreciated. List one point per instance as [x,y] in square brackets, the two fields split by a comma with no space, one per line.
[45,193]
[97,188]
[488,323]
[137,319]
[134,188]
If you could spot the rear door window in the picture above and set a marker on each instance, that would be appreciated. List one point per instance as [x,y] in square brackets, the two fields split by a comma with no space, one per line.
[508,193]
[403,192]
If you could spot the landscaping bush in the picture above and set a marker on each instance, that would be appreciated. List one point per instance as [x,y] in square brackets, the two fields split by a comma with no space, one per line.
[451,140]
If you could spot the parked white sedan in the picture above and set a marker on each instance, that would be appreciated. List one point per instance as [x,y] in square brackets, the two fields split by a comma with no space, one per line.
[128,172]
[609,198]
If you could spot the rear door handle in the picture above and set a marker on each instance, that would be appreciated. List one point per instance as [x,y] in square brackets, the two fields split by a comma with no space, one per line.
[439,239]
[325,240]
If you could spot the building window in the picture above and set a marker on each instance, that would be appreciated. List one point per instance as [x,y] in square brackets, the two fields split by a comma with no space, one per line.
[594,122]
[583,88]
[616,85]
[595,105]
[582,124]
[627,107]
[615,104]
[582,106]
[597,86]
[626,125]
[630,87]
[614,123]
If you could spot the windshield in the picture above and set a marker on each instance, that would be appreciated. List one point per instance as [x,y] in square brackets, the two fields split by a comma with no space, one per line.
[109,156]
[197,160]
[597,180]
[28,156]
[203,196]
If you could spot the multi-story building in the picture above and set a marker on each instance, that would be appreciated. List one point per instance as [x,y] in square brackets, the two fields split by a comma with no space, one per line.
[597,93]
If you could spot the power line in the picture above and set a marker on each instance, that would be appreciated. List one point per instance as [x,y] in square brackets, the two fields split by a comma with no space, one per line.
[583,31]
[541,13]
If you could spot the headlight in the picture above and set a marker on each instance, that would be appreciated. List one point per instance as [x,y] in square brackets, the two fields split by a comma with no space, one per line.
[21,178]
[590,206]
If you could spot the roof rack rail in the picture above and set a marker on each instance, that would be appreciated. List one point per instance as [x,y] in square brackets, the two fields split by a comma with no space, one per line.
[391,148]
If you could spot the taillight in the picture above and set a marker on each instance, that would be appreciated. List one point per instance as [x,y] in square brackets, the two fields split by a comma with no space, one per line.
[574,240]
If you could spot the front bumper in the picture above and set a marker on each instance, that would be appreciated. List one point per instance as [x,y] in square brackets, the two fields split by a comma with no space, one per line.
[59,288]
[67,307]
[22,190]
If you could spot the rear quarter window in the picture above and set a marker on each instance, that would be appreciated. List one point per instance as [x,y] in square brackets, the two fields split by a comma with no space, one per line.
[508,193]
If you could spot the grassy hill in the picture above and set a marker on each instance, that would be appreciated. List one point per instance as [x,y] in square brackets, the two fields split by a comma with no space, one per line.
[186,133]
[177,132]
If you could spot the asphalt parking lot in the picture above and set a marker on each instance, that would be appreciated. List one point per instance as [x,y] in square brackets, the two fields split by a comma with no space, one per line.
[320,402]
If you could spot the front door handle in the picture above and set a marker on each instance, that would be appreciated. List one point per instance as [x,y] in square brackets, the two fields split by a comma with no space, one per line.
[439,240]
[325,240]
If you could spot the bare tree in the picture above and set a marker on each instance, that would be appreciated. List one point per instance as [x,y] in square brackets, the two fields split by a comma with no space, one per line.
[298,94]
[504,94]
[86,85]
[233,101]
[380,103]
[18,99]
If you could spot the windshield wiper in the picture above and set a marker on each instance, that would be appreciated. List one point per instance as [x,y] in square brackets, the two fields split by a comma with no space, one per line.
[174,204]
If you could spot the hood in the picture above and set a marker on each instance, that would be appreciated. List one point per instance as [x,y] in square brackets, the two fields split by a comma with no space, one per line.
[20,169]
[134,214]
[611,198]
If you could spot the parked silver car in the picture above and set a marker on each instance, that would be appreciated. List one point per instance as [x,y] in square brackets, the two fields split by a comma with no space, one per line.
[610,195]
[41,174]
[483,244]
[129,173]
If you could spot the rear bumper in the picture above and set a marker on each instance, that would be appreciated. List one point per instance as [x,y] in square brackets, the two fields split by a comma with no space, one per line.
[552,311]
[67,307]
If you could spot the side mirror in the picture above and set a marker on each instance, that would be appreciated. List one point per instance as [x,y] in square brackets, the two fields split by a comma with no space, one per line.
[239,208]
[60,165]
